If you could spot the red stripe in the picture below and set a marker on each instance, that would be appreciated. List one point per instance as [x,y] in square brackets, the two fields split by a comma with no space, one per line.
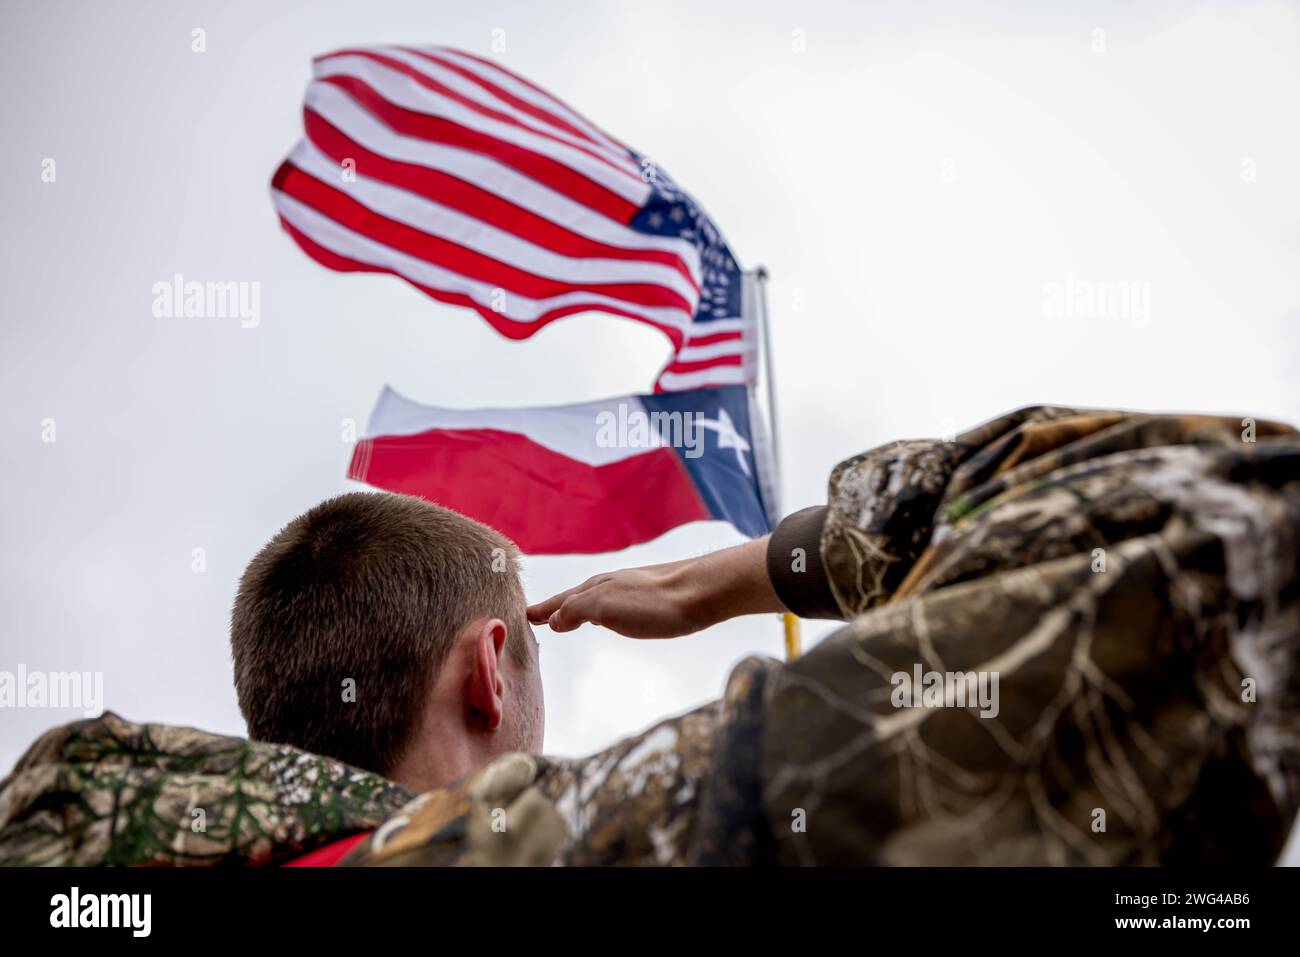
[547,502]
[501,93]
[346,211]
[537,89]
[710,339]
[436,129]
[511,329]
[695,366]
[474,201]
[431,84]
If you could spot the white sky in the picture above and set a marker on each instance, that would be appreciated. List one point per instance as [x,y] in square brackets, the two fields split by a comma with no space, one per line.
[916,178]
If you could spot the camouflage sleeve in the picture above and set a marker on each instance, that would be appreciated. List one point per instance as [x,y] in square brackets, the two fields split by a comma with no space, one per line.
[840,559]
[1074,640]
[882,505]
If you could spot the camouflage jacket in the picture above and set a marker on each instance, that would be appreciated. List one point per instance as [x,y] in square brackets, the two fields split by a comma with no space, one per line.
[1118,593]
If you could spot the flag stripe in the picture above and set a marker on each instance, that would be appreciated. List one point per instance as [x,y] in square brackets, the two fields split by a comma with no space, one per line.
[496,477]
[419,213]
[702,355]
[475,184]
[486,96]
[482,89]
[363,221]
[337,249]
[545,170]
[710,338]
[407,88]
[571,430]
[721,375]
[726,359]
[529,92]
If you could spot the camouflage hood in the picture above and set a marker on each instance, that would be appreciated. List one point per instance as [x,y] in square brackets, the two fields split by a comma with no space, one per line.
[107,791]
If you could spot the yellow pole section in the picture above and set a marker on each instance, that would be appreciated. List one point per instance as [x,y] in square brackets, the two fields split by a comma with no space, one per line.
[793,642]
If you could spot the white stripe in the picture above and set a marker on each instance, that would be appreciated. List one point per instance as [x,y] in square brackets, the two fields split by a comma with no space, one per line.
[719,375]
[731,347]
[344,242]
[581,432]
[523,91]
[473,91]
[442,221]
[402,91]
[713,326]
[362,127]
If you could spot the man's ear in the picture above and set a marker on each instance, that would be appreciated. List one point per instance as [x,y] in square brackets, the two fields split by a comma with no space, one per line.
[486,689]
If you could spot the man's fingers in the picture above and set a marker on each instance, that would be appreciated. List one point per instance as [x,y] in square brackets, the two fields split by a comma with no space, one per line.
[573,611]
[541,612]
[537,614]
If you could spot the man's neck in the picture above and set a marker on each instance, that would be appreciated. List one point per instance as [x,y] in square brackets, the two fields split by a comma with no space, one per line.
[434,760]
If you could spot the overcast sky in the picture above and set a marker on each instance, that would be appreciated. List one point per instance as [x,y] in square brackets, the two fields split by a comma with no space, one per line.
[922,181]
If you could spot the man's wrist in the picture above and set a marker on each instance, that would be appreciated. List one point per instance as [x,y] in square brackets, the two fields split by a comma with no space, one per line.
[725,584]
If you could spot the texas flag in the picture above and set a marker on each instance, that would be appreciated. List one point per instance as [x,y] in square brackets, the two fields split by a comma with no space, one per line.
[593,477]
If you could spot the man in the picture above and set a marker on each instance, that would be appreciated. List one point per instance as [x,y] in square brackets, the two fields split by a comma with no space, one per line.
[390,634]
[1072,639]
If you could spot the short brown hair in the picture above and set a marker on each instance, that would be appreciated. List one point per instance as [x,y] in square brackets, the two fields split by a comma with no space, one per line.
[369,587]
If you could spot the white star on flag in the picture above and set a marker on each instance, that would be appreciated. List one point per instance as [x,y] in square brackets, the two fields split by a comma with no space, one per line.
[728,437]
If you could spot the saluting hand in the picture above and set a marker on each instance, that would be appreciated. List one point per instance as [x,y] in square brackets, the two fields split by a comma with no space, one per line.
[666,601]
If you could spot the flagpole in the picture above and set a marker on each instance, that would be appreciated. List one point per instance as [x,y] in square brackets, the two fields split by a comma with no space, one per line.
[793,640]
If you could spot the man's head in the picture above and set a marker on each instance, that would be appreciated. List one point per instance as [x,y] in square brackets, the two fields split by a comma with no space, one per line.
[388,633]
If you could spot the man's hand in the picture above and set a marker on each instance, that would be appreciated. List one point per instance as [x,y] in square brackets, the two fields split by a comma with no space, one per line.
[665,601]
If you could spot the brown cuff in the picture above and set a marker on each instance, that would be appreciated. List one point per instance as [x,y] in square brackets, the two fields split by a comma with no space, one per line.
[794,565]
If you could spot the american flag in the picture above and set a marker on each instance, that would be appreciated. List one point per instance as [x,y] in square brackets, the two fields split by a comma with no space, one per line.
[482,190]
